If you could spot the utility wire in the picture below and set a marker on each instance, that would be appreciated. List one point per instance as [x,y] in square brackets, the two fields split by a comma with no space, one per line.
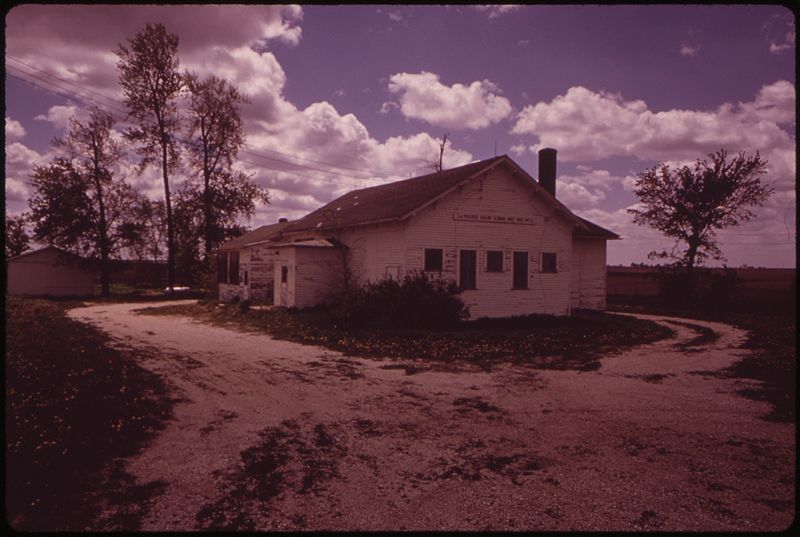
[65,93]
[116,107]
[114,104]
[373,172]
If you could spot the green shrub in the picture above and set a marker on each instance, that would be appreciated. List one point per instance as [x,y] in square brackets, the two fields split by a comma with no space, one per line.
[244,306]
[414,301]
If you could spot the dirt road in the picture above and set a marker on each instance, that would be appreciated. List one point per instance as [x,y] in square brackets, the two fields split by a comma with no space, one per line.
[273,435]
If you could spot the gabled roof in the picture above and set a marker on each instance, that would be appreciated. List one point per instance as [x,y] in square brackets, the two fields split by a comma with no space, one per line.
[396,201]
[60,251]
[260,234]
[594,231]
[388,202]
[308,243]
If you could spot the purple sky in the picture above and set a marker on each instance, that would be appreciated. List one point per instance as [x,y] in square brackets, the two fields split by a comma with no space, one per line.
[344,97]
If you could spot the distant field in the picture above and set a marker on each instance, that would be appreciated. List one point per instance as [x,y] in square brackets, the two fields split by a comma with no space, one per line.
[755,282]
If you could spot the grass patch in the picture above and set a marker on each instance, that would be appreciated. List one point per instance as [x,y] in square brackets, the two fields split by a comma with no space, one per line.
[73,404]
[772,328]
[542,341]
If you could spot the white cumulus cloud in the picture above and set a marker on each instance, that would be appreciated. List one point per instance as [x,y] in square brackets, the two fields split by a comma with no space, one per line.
[58,115]
[14,130]
[474,106]
[588,125]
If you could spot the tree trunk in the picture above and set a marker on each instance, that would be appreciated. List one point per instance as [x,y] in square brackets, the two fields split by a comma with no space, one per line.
[170,230]
[207,204]
[103,231]
[691,255]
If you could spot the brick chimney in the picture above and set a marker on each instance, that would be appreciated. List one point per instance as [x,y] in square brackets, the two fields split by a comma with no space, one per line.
[547,170]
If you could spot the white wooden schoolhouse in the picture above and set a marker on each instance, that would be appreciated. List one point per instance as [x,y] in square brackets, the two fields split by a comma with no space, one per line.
[511,246]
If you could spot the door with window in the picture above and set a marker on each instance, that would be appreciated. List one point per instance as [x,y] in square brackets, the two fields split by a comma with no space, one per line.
[468,268]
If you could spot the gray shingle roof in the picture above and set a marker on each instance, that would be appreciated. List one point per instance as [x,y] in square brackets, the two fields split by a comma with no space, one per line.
[387,202]
[393,201]
[595,231]
[259,234]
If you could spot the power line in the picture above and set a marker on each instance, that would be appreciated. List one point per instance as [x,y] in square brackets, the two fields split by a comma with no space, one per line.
[258,155]
[323,179]
[85,101]
[326,163]
[116,107]
[69,95]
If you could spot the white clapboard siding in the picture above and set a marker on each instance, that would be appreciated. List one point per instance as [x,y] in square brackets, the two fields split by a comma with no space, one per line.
[588,274]
[376,251]
[313,277]
[502,195]
[317,275]
[228,292]
[469,217]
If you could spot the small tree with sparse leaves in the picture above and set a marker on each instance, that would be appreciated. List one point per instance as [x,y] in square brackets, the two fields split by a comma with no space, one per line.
[690,204]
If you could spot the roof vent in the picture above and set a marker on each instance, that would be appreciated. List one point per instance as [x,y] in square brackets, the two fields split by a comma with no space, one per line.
[282,220]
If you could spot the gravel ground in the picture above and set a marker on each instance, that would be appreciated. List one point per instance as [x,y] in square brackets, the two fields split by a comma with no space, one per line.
[274,435]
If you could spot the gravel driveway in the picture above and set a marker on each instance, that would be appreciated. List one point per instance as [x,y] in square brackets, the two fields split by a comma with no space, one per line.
[274,435]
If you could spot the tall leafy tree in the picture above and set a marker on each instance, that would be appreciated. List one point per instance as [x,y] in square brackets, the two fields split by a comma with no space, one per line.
[690,204]
[17,237]
[94,152]
[65,209]
[61,210]
[143,235]
[216,134]
[151,83]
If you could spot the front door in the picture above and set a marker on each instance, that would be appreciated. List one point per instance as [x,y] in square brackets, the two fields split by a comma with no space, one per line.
[467,269]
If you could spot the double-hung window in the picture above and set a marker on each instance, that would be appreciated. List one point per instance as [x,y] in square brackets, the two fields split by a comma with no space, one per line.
[494,261]
[433,259]
[228,268]
[233,270]
[549,262]
[222,267]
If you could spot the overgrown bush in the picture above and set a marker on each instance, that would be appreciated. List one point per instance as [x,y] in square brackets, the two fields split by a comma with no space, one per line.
[413,301]
[244,306]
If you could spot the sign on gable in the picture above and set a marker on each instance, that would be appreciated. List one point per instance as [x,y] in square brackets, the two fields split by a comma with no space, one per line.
[494,218]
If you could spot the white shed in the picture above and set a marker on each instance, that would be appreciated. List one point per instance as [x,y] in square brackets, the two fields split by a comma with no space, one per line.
[49,271]
[512,247]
